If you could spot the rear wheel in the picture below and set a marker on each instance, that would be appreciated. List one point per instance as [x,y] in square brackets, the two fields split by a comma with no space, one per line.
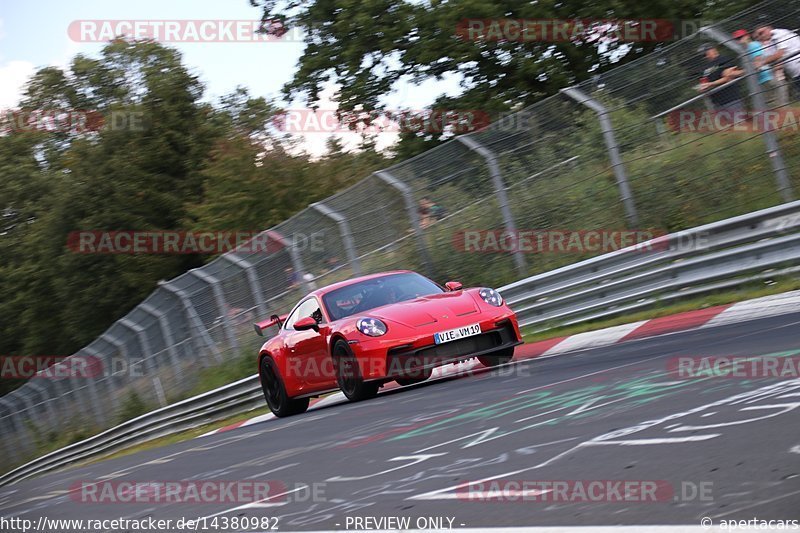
[348,374]
[497,358]
[275,393]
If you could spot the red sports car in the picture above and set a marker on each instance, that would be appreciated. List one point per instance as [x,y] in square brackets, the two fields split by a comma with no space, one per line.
[359,334]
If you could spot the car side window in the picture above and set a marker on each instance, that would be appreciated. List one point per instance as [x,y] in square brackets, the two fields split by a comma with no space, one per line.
[309,307]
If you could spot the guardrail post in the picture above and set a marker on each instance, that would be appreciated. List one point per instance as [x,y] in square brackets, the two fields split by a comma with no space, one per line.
[613,151]
[194,318]
[413,217]
[144,344]
[500,192]
[166,332]
[222,305]
[773,149]
[250,272]
[344,230]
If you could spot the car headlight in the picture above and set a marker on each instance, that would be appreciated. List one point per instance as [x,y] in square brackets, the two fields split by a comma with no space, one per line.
[371,327]
[491,297]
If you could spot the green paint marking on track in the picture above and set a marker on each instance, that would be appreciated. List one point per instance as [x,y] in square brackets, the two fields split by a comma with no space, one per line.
[597,399]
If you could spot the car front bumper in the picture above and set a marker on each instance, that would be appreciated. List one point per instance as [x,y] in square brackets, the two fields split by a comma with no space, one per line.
[386,360]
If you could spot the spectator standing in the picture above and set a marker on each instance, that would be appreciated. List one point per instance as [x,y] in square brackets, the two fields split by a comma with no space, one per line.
[425,216]
[782,51]
[766,81]
[719,70]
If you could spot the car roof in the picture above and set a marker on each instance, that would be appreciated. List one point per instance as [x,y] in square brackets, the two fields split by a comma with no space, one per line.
[340,284]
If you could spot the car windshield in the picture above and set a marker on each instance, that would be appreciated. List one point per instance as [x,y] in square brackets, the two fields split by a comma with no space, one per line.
[369,294]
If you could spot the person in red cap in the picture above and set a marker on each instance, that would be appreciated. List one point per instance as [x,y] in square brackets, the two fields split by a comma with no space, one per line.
[755,53]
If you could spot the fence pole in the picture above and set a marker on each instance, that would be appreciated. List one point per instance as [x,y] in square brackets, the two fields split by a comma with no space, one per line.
[344,230]
[617,166]
[91,386]
[77,387]
[45,401]
[773,149]
[61,389]
[297,261]
[194,318]
[144,344]
[413,217]
[500,192]
[252,280]
[7,433]
[166,332]
[108,372]
[28,400]
[222,305]
[13,451]
[119,344]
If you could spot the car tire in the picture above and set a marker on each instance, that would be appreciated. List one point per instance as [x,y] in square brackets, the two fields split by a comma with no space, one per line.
[348,374]
[278,400]
[497,358]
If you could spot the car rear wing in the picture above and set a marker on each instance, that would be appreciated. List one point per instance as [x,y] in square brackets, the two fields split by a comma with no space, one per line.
[264,324]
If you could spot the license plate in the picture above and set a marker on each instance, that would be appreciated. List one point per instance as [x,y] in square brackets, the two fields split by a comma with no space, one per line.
[455,334]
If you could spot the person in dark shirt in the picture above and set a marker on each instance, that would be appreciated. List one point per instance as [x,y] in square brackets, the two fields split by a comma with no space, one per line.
[719,70]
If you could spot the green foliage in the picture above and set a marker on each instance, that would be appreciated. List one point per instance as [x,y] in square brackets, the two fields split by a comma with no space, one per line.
[189,166]
[132,406]
[368,46]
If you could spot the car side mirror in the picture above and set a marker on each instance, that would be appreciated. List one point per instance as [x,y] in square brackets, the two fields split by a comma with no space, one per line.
[453,286]
[306,323]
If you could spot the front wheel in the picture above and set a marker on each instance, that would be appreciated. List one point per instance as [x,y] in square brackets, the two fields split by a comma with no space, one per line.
[497,358]
[275,393]
[348,375]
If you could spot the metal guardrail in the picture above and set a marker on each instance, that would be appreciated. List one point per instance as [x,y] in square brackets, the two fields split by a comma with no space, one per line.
[694,261]
[238,397]
[760,244]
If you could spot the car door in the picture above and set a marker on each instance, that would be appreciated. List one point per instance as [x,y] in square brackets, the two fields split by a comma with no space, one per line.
[307,351]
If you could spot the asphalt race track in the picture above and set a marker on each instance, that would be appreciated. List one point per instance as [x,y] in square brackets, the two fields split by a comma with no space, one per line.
[724,448]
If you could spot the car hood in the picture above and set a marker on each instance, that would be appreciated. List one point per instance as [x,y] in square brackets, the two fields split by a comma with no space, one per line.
[427,309]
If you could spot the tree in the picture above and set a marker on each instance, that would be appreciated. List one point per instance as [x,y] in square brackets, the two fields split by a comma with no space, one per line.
[111,178]
[183,164]
[368,47]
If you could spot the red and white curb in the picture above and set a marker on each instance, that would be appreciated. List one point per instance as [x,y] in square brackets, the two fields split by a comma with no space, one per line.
[720,315]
